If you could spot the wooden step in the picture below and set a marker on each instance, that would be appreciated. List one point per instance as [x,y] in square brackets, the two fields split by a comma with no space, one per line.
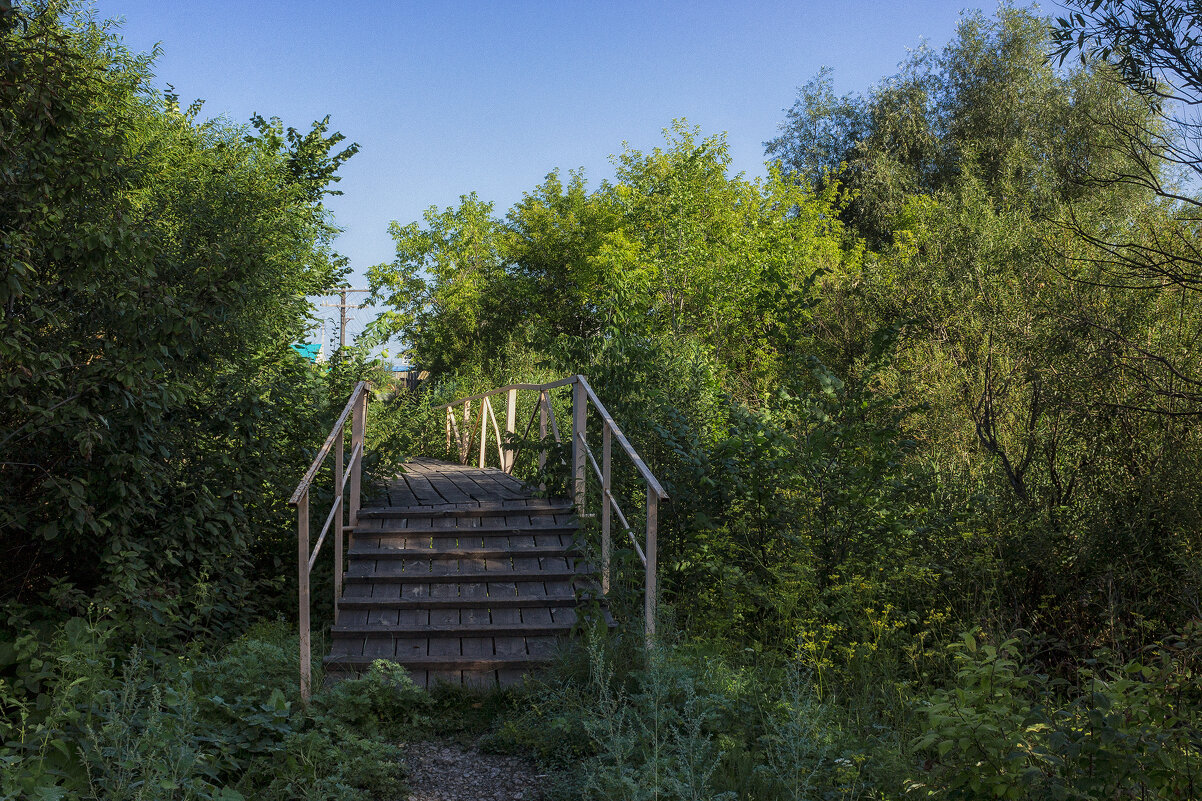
[463,577]
[385,527]
[404,631]
[441,662]
[531,507]
[359,552]
[487,602]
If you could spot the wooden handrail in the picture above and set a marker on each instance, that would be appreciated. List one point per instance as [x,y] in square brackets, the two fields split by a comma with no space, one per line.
[356,409]
[307,479]
[582,395]
[625,443]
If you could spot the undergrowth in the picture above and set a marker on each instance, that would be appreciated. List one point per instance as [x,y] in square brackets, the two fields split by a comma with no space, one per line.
[88,714]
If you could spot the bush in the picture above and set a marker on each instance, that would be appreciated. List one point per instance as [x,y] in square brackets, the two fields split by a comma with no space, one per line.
[680,722]
[1119,731]
[108,720]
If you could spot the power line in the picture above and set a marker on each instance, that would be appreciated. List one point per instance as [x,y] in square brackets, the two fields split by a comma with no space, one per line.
[342,307]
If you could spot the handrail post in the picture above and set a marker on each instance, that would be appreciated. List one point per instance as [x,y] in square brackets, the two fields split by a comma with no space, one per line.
[485,406]
[467,432]
[650,552]
[302,548]
[606,504]
[358,428]
[511,411]
[543,400]
[449,413]
[579,422]
[339,455]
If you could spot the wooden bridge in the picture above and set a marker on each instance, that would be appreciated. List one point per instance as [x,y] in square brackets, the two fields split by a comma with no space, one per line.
[464,574]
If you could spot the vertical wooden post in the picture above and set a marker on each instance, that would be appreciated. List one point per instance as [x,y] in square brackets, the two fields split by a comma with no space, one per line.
[302,559]
[449,413]
[650,552]
[485,409]
[579,422]
[511,417]
[543,400]
[339,455]
[358,427]
[467,432]
[606,504]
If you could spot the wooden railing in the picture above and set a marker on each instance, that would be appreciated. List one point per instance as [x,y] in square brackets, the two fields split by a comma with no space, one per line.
[508,445]
[356,410]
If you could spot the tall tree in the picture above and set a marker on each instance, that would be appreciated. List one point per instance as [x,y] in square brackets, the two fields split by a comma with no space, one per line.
[155,271]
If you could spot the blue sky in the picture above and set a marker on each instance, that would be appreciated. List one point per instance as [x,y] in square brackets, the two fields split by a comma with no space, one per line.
[450,97]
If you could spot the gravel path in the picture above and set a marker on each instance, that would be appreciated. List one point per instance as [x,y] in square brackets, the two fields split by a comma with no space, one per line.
[443,771]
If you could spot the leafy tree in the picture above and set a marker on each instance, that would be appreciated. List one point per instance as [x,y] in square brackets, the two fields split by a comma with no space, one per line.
[1039,373]
[155,272]
[1153,46]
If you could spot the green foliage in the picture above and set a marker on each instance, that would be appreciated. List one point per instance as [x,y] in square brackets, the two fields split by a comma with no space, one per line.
[155,272]
[1004,732]
[678,722]
[110,722]
[675,246]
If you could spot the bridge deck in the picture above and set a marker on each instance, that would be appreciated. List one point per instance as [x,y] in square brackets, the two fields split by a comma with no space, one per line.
[460,575]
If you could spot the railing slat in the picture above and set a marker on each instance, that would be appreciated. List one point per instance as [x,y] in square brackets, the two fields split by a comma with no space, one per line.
[582,394]
[608,501]
[302,565]
[321,538]
[563,382]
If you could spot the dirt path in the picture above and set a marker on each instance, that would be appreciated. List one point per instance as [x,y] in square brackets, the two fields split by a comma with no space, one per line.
[444,771]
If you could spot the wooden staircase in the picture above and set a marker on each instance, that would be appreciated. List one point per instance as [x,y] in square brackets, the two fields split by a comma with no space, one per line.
[459,573]
[461,576]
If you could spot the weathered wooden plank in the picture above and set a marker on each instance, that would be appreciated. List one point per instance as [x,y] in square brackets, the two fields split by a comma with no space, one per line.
[542,647]
[510,677]
[492,602]
[480,679]
[381,617]
[384,577]
[476,647]
[410,649]
[421,578]
[379,646]
[445,645]
[540,616]
[511,646]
